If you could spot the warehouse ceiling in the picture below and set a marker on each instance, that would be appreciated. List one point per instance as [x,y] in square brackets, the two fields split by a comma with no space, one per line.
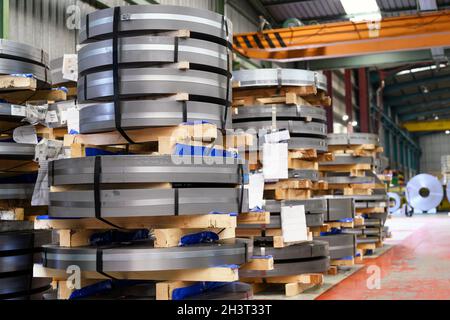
[321,11]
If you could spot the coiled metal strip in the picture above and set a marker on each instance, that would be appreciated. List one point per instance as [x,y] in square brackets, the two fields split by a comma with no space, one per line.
[279,77]
[294,127]
[145,82]
[19,151]
[340,245]
[144,257]
[352,139]
[149,113]
[147,169]
[147,19]
[146,202]
[154,50]
[281,111]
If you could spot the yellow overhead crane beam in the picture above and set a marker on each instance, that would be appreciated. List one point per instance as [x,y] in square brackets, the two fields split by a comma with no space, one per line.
[409,32]
[431,125]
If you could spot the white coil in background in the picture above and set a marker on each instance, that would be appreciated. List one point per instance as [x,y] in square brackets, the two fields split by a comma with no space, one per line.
[424,192]
[396,198]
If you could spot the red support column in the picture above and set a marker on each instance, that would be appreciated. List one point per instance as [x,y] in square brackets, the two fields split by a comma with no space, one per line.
[329,110]
[348,98]
[363,100]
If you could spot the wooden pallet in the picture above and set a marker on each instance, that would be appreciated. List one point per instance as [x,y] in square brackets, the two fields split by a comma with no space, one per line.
[289,184]
[293,285]
[167,231]
[12,83]
[343,262]
[253,218]
[363,150]
[275,233]
[288,194]
[302,95]
[370,210]
[34,96]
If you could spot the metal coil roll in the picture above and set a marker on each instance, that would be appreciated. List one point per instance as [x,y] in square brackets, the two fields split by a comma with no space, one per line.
[145,82]
[16,151]
[145,257]
[155,50]
[424,192]
[148,113]
[197,187]
[294,142]
[281,111]
[16,191]
[347,159]
[19,250]
[340,245]
[148,19]
[146,169]
[294,127]
[19,58]
[279,77]
[352,139]
[11,112]
[308,257]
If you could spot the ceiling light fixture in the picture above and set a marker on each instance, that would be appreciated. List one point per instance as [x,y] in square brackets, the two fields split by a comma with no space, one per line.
[447,131]
[362,10]
[345,117]
[354,123]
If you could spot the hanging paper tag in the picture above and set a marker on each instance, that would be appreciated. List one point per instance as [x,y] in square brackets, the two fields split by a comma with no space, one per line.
[256,190]
[51,116]
[293,224]
[19,111]
[70,67]
[73,120]
[275,161]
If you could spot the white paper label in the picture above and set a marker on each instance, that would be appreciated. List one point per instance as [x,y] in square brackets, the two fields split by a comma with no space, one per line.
[293,224]
[51,117]
[48,149]
[20,111]
[25,134]
[70,67]
[256,190]
[277,136]
[275,161]
[35,114]
[73,120]
[41,188]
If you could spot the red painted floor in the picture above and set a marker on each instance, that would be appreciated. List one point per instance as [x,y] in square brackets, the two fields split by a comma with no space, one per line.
[417,267]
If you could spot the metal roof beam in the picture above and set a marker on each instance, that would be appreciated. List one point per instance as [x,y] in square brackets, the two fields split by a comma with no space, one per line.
[396,102]
[415,115]
[415,83]
[422,106]
[261,9]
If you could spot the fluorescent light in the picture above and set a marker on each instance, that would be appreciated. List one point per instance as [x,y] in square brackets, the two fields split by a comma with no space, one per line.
[362,10]
[414,70]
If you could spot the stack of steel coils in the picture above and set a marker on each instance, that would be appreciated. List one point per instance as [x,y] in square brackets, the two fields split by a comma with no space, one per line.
[18,252]
[307,257]
[126,186]
[150,66]
[306,124]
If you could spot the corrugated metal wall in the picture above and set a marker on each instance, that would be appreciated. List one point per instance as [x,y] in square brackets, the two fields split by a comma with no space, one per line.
[43,23]
[433,147]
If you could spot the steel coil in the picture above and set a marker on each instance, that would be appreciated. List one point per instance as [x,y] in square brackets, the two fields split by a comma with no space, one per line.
[352,139]
[397,201]
[279,77]
[16,191]
[347,159]
[340,245]
[306,250]
[8,112]
[145,82]
[424,192]
[144,257]
[149,113]
[281,111]
[146,169]
[294,142]
[17,151]
[144,50]
[313,129]
[19,58]
[148,19]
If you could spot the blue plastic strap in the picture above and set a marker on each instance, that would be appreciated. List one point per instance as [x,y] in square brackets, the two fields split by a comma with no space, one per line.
[201,237]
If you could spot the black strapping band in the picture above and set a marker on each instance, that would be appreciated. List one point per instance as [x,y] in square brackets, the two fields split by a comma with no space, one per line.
[176,203]
[227,102]
[184,110]
[116,76]
[97,191]
[176,49]
[99,264]
[241,197]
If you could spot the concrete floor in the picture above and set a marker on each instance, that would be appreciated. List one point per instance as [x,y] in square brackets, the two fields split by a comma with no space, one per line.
[416,267]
